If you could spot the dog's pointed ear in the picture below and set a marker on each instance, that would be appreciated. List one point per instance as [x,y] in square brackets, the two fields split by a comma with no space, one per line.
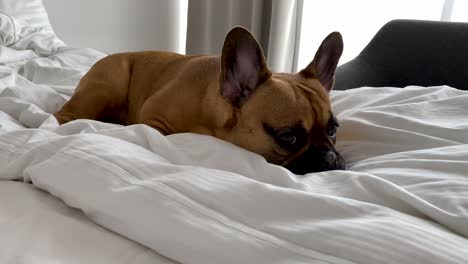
[243,66]
[326,59]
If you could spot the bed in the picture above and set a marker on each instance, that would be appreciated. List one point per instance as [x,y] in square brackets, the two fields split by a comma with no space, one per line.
[92,192]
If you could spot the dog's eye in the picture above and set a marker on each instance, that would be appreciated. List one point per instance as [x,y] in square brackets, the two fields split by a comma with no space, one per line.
[290,138]
[286,137]
[332,126]
[332,134]
[332,130]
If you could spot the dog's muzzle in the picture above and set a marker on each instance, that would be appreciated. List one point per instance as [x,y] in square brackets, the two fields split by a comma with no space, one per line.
[316,160]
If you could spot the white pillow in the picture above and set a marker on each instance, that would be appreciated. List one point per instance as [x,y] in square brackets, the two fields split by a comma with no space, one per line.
[24,24]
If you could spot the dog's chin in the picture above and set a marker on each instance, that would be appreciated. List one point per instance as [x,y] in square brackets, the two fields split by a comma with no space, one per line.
[317,162]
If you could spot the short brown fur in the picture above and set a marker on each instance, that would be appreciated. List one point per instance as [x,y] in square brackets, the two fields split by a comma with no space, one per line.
[176,93]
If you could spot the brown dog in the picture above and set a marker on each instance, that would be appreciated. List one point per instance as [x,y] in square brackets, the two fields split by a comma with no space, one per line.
[286,118]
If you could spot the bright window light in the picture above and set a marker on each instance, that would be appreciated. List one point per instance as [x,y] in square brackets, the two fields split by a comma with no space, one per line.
[460,11]
[183,11]
[357,21]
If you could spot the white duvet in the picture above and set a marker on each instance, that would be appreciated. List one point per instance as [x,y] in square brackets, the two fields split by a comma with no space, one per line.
[196,199]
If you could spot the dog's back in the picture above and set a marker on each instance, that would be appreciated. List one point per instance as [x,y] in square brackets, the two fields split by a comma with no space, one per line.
[117,87]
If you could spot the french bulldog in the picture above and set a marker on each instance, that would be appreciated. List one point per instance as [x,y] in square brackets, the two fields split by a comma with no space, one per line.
[285,117]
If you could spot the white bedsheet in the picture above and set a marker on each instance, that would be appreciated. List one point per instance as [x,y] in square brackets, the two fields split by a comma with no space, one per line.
[35,227]
[196,199]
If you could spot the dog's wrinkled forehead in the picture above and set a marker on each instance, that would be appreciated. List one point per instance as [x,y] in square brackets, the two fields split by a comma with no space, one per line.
[310,98]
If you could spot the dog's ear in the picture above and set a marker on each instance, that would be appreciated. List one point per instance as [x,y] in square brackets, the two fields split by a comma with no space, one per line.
[325,61]
[243,66]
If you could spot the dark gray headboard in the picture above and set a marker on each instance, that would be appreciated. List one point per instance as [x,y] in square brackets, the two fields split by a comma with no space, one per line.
[410,52]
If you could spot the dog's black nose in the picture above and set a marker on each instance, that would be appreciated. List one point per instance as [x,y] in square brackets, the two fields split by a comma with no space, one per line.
[315,160]
[330,158]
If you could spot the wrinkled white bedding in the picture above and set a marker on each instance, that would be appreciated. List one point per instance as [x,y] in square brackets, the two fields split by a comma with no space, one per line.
[36,227]
[197,199]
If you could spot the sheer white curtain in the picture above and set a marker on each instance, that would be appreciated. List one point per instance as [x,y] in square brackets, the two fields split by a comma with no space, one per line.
[274,23]
[289,31]
[359,20]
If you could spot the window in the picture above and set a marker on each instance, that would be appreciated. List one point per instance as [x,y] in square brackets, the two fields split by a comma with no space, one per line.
[359,20]
[460,11]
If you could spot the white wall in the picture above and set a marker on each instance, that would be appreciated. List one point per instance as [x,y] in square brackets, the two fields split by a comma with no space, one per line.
[120,25]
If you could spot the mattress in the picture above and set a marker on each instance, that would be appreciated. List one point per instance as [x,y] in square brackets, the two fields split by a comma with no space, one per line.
[92,192]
